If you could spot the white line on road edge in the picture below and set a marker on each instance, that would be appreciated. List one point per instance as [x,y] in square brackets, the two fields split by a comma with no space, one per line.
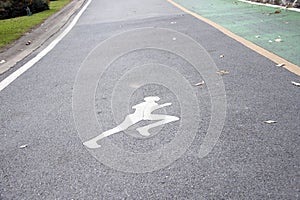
[30,63]
[270,5]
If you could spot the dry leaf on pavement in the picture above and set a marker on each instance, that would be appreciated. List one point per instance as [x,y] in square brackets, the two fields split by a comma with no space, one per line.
[222,72]
[200,83]
[270,122]
[295,83]
[277,11]
[23,146]
[280,65]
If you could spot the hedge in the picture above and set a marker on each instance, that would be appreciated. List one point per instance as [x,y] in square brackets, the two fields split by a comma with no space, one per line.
[16,8]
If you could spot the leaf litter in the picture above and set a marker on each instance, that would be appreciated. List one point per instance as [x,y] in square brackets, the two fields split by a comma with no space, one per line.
[280,65]
[200,83]
[222,72]
[23,146]
[295,83]
[270,122]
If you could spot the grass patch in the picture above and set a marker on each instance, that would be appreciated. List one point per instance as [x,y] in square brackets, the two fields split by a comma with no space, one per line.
[12,29]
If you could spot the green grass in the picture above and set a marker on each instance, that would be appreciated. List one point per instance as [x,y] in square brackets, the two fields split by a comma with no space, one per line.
[12,29]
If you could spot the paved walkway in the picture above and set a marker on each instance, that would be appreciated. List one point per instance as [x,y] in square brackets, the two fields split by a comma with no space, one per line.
[258,24]
[237,136]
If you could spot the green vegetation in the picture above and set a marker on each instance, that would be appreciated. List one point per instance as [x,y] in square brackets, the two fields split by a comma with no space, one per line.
[12,29]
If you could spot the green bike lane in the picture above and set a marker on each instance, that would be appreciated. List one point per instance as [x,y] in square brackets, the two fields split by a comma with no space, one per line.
[274,29]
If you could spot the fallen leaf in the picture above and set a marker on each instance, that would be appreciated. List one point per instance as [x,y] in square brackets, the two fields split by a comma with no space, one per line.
[28,42]
[23,146]
[280,65]
[295,83]
[270,122]
[277,11]
[222,72]
[2,61]
[199,84]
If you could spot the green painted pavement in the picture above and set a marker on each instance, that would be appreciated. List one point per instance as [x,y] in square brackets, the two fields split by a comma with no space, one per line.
[258,24]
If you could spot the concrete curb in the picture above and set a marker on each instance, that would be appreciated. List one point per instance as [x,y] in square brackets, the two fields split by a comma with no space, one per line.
[270,5]
[17,51]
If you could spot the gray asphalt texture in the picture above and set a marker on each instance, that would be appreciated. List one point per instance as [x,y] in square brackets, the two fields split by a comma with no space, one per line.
[251,160]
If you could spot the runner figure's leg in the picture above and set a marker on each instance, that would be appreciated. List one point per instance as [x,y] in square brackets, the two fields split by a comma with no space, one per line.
[164,119]
[92,143]
[129,121]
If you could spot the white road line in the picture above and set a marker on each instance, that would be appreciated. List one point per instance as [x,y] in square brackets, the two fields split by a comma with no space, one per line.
[270,5]
[29,64]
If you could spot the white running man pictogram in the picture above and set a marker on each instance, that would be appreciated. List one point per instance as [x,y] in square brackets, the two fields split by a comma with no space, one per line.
[143,111]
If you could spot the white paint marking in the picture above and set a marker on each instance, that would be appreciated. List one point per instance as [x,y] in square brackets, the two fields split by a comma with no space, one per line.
[29,64]
[270,5]
[143,111]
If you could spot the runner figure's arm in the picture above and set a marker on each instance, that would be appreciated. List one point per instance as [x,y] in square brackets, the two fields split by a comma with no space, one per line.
[160,106]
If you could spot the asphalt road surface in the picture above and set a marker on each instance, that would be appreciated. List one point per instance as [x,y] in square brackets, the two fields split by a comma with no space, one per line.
[216,144]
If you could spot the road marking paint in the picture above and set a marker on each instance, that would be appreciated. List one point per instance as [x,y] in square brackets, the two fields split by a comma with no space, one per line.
[270,5]
[273,57]
[30,63]
[143,111]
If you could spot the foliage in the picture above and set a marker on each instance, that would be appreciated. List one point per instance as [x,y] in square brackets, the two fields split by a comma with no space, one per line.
[12,29]
[16,8]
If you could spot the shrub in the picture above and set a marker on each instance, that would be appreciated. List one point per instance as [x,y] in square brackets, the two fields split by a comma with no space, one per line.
[39,5]
[16,8]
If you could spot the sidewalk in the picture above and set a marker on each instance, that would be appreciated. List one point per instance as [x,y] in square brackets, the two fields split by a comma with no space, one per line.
[39,36]
[276,32]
